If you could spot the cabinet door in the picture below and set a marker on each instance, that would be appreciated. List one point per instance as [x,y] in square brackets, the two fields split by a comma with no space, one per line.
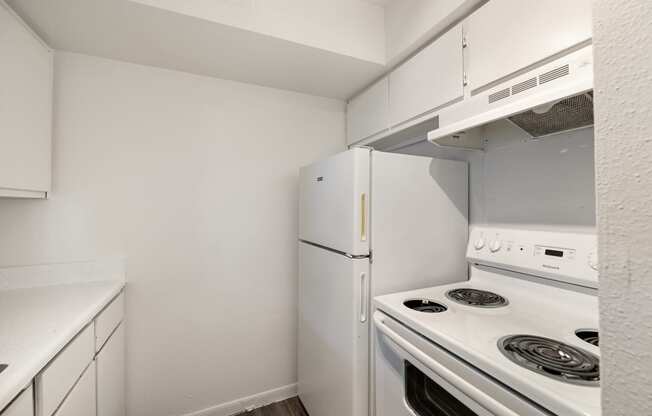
[506,36]
[23,405]
[111,375]
[430,79]
[367,113]
[25,108]
[60,375]
[108,320]
[81,400]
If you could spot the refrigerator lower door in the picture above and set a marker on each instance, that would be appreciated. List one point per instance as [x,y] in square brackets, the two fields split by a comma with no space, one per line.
[333,362]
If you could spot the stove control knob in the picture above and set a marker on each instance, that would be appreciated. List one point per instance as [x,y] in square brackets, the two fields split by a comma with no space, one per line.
[495,246]
[479,243]
[593,260]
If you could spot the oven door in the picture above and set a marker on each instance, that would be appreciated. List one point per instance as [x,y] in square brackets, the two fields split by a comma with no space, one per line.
[415,377]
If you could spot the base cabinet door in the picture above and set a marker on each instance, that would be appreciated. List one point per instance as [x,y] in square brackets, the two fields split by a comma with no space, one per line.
[111,375]
[81,399]
[22,406]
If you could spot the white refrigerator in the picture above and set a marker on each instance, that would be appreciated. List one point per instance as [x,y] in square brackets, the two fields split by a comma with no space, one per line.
[370,223]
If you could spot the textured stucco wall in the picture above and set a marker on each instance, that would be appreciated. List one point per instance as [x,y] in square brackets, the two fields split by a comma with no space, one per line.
[622,38]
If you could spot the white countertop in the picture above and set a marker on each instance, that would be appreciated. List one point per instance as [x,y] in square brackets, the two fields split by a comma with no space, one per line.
[36,323]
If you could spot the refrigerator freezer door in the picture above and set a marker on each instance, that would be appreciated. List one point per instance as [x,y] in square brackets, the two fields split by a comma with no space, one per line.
[333,333]
[419,222]
[334,202]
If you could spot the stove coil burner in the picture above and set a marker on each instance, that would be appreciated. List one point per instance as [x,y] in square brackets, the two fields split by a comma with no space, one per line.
[589,335]
[424,305]
[552,358]
[476,297]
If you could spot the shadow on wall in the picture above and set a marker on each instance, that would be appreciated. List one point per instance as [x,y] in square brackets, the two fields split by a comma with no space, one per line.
[449,184]
[547,182]
[520,182]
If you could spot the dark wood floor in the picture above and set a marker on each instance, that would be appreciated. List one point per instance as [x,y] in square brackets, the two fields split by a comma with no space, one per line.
[289,407]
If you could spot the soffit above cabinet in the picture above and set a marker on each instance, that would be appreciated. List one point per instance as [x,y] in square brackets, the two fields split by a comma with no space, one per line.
[243,45]
[354,28]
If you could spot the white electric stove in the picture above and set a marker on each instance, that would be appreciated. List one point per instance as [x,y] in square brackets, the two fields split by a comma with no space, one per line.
[518,338]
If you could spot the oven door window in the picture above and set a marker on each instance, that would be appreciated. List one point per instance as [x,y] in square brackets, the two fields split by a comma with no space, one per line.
[427,398]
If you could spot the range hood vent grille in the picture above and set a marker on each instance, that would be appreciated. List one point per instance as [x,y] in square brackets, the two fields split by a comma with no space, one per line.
[499,95]
[568,114]
[550,98]
[524,86]
[554,74]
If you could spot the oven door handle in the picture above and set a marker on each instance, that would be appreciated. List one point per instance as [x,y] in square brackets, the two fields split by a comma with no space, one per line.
[471,391]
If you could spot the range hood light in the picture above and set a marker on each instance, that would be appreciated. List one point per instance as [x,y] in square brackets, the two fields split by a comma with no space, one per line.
[544,108]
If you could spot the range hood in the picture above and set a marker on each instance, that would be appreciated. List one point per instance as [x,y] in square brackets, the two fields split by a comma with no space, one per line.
[549,98]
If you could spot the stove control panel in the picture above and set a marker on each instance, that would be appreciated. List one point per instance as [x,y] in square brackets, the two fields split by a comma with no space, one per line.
[569,257]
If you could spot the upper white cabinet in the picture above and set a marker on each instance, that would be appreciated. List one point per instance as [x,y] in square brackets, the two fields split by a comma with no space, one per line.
[429,80]
[506,36]
[25,109]
[367,113]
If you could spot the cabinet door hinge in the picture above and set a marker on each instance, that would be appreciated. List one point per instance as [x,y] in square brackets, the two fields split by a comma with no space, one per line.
[465,80]
[465,42]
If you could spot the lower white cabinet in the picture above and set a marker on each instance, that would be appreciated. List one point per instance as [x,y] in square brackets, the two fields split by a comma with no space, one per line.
[81,399]
[111,375]
[22,406]
[108,320]
[58,377]
[85,378]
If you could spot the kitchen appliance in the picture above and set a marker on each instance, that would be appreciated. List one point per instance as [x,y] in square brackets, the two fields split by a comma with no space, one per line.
[518,338]
[370,223]
[550,98]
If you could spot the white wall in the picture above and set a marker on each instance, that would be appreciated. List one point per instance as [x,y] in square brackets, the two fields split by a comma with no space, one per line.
[623,80]
[194,180]
[518,182]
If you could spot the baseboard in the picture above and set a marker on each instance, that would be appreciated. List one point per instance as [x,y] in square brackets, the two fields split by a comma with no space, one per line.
[248,403]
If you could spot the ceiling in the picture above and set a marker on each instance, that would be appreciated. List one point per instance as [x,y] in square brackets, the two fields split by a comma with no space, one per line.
[300,45]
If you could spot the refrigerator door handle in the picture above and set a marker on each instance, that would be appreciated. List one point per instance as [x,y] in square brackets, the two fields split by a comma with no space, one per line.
[364,296]
[363,217]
